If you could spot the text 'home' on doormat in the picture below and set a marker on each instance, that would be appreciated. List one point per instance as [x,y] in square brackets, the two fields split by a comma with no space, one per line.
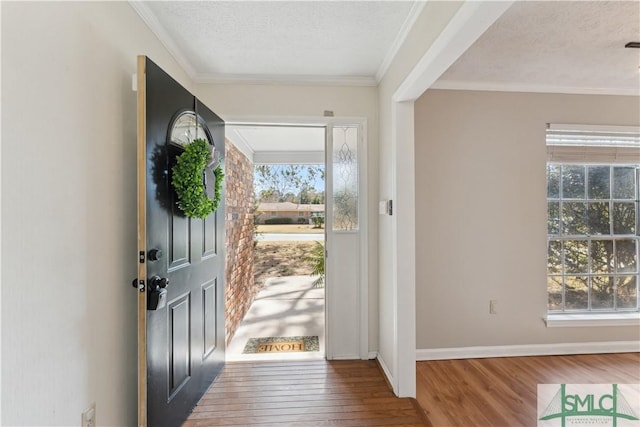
[282,344]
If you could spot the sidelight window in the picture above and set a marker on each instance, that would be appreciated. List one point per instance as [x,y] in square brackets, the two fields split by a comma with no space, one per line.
[345,178]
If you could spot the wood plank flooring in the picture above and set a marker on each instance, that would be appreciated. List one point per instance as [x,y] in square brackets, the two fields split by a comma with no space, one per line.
[502,391]
[305,393]
[465,393]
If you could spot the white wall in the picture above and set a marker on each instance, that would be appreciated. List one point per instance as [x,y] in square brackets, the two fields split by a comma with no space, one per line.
[272,101]
[69,209]
[480,179]
[433,19]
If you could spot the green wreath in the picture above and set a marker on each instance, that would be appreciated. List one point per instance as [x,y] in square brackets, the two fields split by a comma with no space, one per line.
[188,180]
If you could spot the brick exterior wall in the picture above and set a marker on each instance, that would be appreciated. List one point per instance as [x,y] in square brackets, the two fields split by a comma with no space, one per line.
[239,199]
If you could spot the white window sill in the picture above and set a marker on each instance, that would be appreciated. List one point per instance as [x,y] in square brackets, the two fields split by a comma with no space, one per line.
[565,320]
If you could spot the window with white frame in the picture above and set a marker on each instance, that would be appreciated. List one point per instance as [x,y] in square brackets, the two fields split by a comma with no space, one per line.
[593,190]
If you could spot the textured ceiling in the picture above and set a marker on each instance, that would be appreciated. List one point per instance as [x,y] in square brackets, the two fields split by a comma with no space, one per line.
[546,46]
[306,40]
[554,46]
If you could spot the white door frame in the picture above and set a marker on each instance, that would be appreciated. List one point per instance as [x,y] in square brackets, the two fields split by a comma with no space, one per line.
[471,20]
[363,286]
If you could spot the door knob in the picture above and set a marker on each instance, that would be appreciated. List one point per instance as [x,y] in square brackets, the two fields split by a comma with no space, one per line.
[158,282]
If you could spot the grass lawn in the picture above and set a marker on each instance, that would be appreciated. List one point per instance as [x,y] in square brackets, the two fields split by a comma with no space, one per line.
[276,259]
[289,228]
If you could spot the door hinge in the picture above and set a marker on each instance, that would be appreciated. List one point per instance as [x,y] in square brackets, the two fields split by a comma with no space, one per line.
[142,257]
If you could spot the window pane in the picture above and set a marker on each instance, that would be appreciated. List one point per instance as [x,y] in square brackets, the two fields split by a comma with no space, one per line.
[553,181]
[345,178]
[598,182]
[593,256]
[186,128]
[626,256]
[576,293]
[602,256]
[554,257]
[554,289]
[624,183]
[574,219]
[598,218]
[627,292]
[553,217]
[602,293]
[576,257]
[573,182]
[624,218]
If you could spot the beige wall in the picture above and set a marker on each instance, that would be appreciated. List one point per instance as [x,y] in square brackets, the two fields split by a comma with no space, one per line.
[290,102]
[69,209]
[480,200]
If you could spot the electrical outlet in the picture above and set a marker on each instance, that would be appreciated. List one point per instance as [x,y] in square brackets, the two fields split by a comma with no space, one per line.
[493,306]
[89,416]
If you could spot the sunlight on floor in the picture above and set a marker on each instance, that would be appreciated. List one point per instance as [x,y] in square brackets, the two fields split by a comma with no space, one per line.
[287,306]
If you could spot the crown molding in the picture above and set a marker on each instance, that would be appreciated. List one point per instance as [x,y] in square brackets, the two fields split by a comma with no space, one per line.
[156,28]
[239,141]
[471,20]
[531,88]
[406,27]
[261,79]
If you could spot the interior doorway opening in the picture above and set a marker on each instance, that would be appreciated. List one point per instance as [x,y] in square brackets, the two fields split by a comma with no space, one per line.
[275,301]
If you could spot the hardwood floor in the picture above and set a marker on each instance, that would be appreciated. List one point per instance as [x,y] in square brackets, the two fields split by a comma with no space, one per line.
[465,393]
[502,391]
[305,393]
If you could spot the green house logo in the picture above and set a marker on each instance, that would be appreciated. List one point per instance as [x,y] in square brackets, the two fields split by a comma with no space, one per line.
[589,404]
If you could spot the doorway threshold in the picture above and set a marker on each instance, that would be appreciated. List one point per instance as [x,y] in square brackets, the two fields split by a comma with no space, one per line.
[285,322]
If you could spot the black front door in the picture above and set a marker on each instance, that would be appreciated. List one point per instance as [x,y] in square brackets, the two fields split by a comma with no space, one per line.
[183,337]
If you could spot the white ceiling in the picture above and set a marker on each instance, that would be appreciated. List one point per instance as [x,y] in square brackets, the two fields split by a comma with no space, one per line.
[349,42]
[555,46]
[279,144]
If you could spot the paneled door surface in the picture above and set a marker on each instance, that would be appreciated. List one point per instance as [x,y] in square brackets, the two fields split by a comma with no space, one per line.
[181,260]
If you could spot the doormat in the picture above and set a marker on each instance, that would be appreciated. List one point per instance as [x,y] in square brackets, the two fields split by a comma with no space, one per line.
[282,344]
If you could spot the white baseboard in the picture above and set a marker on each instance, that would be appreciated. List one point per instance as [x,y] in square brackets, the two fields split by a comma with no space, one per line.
[387,372]
[527,350]
[342,357]
[372,355]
